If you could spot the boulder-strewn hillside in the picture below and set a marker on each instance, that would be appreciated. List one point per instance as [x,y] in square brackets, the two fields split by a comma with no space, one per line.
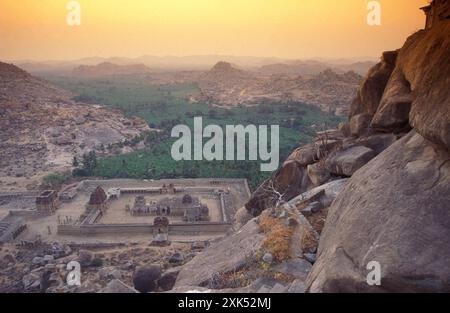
[228,86]
[109,69]
[376,189]
[311,67]
[41,128]
[395,210]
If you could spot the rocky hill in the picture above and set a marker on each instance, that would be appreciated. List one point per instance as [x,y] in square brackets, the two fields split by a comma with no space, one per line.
[41,128]
[228,86]
[109,69]
[311,67]
[376,190]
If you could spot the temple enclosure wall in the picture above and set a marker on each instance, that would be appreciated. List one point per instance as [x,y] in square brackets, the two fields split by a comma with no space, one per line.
[174,229]
[186,183]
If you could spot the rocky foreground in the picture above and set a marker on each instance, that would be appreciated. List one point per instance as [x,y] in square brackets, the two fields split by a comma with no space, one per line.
[376,189]
[104,268]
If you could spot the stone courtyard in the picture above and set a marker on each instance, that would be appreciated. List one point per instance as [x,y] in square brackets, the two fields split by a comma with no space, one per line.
[100,211]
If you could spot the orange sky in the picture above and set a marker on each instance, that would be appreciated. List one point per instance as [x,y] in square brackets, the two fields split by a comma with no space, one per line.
[37,29]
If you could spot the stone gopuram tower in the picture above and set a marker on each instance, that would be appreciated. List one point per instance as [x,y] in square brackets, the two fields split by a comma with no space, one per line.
[47,202]
[97,200]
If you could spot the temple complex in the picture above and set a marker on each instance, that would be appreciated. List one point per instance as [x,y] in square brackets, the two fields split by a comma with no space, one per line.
[116,210]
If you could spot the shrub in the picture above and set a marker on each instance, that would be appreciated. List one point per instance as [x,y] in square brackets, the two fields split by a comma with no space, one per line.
[53,180]
[79,172]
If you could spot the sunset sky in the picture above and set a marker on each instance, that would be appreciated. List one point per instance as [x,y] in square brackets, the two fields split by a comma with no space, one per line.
[37,29]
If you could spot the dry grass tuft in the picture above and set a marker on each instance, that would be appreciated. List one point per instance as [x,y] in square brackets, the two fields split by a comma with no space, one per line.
[318,220]
[282,277]
[278,237]
[308,240]
[236,279]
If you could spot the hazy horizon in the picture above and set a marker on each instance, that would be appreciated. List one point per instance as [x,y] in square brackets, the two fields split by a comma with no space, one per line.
[288,29]
[218,56]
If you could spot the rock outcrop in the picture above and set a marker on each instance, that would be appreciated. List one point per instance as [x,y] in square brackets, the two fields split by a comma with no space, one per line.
[372,87]
[227,85]
[332,156]
[229,255]
[43,125]
[289,181]
[145,278]
[395,95]
[424,62]
[395,209]
[345,162]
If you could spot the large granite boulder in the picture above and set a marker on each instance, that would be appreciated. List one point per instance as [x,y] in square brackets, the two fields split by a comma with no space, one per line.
[393,113]
[304,155]
[85,258]
[359,124]
[318,174]
[395,210]
[145,278]
[290,180]
[372,88]
[168,279]
[378,142]
[425,64]
[225,256]
[347,161]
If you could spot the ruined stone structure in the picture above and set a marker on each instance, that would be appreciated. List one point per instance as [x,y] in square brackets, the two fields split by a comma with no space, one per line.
[97,200]
[437,10]
[188,207]
[161,231]
[11,230]
[168,189]
[113,193]
[47,202]
[141,207]
[161,224]
[34,242]
[69,193]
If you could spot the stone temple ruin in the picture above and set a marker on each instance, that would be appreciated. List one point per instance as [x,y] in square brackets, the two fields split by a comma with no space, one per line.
[161,231]
[97,200]
[188,207]
[47,202]
[10,230]
[124,209]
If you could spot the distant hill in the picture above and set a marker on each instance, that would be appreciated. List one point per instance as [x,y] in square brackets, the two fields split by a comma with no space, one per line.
[203,63]
[110,69]
[226,85]
[312,67]
[224,71]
